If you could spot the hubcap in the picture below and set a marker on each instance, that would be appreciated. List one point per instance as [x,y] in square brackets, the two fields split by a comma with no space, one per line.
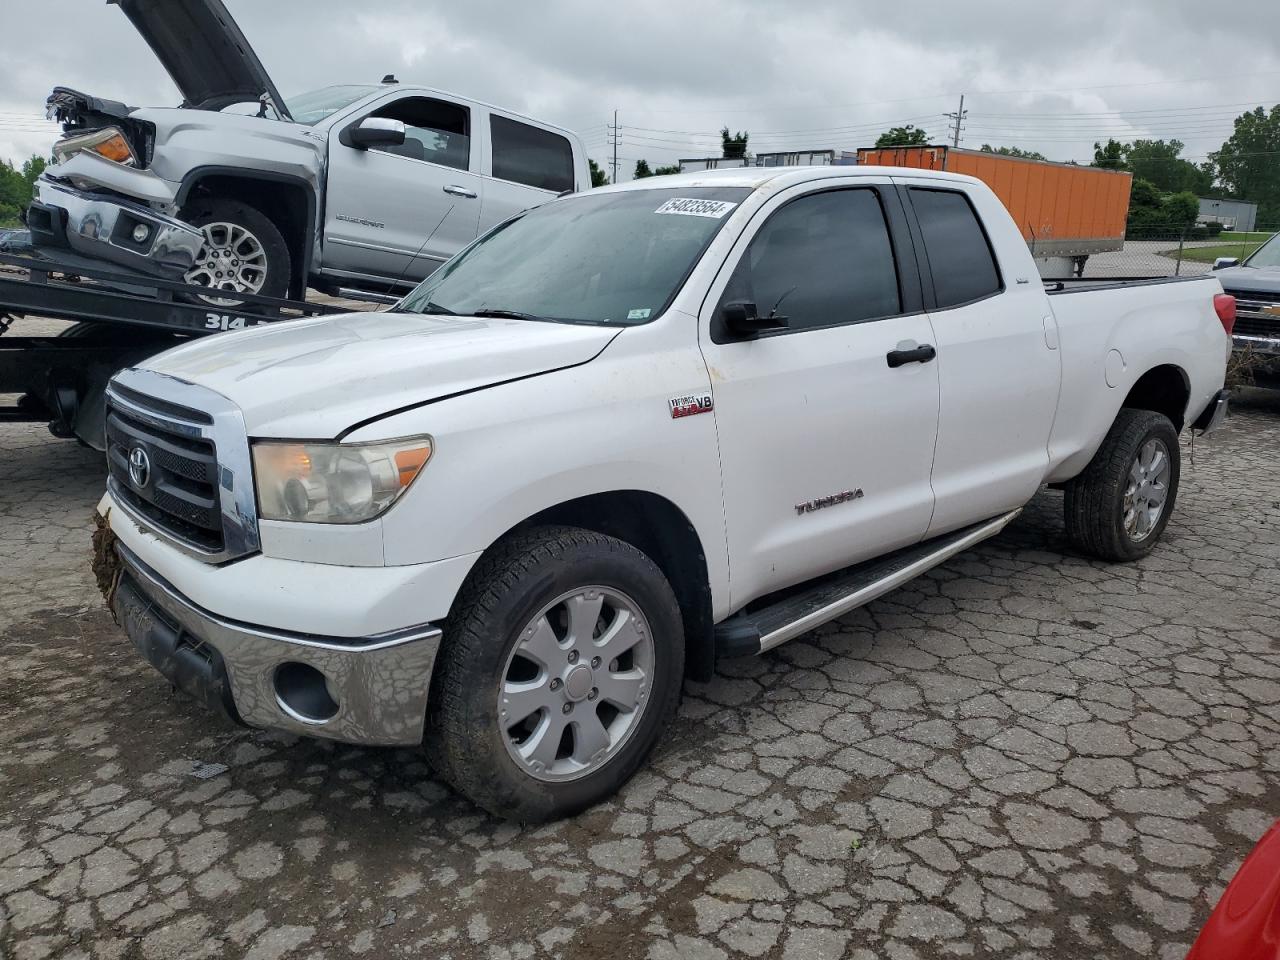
[1147,490]
[576,684]
[231,259]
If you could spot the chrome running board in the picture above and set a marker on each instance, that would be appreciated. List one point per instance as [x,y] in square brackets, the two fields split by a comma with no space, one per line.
[809,606]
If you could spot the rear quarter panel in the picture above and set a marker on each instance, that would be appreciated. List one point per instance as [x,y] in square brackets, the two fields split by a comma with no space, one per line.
[1147,325]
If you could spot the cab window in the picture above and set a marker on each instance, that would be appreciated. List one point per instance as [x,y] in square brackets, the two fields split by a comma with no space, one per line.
[822,260]
[435,131]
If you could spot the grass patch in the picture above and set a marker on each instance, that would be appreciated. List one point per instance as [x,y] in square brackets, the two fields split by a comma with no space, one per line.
[1230,236]
[1239,250]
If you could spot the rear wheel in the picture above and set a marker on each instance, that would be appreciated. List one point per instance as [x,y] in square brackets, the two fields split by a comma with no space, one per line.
[1119,506]
[243,252]
[562,663]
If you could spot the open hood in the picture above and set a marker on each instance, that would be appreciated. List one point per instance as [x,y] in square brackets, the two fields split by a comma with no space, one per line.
[204,51]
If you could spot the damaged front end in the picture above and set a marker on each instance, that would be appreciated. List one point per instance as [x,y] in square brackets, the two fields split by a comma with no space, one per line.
[82,115]
[99,203]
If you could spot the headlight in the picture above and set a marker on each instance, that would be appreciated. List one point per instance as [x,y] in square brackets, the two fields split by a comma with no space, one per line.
[108,142]
[335,482]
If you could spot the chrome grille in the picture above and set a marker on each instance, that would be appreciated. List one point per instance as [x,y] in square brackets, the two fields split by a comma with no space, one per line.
[178,464]
[1254,316]
[1252,325]
[179,492]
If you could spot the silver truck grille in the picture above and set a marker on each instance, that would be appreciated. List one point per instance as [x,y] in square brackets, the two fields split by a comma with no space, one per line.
[178,463]
[1255,316]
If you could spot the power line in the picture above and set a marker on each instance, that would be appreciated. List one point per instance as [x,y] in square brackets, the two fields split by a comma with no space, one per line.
[988,93]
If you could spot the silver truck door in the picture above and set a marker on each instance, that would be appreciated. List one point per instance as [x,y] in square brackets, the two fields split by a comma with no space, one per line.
[528,166]
[401,210]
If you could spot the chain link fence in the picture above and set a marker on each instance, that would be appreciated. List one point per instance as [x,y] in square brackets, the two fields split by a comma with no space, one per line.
[1173,251]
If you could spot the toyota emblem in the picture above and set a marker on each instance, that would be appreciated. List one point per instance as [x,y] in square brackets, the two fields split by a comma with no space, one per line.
[139,467]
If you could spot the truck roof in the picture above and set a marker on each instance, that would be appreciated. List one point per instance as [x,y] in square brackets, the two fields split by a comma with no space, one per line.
[777,177]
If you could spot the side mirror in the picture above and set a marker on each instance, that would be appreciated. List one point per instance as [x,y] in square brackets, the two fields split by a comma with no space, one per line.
[1223,262]
[376,132]
[742,318]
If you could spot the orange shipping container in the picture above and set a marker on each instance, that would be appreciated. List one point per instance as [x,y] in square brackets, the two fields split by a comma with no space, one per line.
[1063,210]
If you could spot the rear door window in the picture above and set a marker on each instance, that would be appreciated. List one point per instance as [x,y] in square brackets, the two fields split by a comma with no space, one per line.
[531,156]
[960,257]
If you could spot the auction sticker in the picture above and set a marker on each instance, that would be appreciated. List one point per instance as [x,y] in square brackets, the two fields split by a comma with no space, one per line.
[689,207]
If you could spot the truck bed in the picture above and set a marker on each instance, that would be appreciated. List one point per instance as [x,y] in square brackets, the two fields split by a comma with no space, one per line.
[1080,285]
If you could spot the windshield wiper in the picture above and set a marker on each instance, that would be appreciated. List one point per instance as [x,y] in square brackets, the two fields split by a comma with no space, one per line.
[509,315]
[431,308]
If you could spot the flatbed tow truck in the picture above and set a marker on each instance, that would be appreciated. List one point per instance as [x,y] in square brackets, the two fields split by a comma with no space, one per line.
[116,320]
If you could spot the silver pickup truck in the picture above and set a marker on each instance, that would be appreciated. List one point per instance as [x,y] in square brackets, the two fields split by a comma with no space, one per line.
[368,186]
[1255,284]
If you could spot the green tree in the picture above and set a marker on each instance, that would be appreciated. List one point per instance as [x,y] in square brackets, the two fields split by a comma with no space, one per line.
[908,136]
[1013,152]
[16,184]
[734,145]
[1180,209]
[32,167]
[1156,214]
[642,170]
[598,177]
[1110,157]
[1159,162]
[1248,164]
[667,170]
[15,192]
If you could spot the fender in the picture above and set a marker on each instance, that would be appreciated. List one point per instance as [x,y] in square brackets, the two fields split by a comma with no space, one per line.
[311,238]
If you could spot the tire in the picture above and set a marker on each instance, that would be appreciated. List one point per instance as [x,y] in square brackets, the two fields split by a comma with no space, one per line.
[268,269]
[1096,504]
[501,608]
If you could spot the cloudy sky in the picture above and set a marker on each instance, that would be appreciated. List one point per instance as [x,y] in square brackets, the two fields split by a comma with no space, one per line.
[822,74]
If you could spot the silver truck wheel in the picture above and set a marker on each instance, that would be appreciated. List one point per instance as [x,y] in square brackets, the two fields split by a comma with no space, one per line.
[1148,489]
[1118,507]
[561,664]
[243,252]
[576,684]
[232,258]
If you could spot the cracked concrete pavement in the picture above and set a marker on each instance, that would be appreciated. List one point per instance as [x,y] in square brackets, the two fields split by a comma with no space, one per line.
[1023,754]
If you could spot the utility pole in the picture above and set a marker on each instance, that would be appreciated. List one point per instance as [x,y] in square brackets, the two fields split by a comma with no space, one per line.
[958,117]
[615,147]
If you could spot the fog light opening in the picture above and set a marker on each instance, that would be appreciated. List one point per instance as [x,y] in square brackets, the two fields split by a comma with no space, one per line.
[302,693]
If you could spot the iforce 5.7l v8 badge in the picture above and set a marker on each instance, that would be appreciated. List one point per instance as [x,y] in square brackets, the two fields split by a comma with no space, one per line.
[690,405]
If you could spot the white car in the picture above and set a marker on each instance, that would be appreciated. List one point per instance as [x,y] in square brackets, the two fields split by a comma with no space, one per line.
[618,436]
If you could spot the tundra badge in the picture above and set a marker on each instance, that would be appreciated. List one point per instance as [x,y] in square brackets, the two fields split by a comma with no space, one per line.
[843,496]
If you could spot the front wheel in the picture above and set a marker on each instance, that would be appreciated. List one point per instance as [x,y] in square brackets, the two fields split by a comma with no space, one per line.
[562,663]
[243,252]
[1120,505]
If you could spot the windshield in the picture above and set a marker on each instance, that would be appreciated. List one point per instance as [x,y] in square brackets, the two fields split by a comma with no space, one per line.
[311,108]
[608,258]
[1267,255]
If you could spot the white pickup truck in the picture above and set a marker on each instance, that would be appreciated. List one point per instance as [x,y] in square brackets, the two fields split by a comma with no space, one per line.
[622,434]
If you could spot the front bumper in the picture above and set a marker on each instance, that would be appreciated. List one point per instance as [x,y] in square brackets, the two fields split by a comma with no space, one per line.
[102,227]
[370,690]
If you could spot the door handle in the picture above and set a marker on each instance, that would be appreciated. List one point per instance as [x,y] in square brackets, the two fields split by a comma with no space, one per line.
[454,190]
[921,354]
